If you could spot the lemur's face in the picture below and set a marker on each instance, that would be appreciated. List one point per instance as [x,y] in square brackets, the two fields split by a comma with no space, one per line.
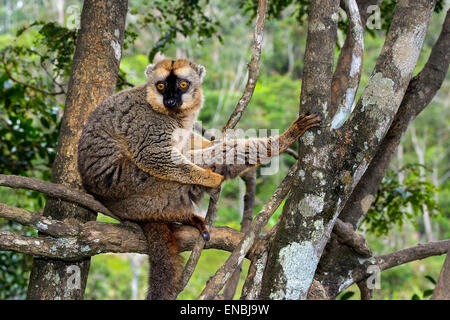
[174,86]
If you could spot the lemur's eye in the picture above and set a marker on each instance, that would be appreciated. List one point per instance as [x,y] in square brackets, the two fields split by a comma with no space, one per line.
[160,86]
[183,84]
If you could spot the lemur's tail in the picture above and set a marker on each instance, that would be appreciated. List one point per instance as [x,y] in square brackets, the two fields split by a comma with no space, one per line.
[165,262]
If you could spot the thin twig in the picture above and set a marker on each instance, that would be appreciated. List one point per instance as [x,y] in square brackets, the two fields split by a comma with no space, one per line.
[200,243]
[249,178]
[253,68]
[124,81]
[292,153]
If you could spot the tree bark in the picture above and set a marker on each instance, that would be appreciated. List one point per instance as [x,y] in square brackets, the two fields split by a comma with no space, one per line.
[338,259]
[94,74]
[287,275]
[331,162]
[419,94]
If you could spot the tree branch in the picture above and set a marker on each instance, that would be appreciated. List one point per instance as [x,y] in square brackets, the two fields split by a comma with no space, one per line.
[292,153]
[418,96]
[78,241]
[349,237]
[189,268]
[253,68]
[397,258]
[46,225]
[249,178]
[347,75]
[55,190]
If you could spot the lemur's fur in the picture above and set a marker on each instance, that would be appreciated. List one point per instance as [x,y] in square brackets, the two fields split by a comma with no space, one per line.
[129,161]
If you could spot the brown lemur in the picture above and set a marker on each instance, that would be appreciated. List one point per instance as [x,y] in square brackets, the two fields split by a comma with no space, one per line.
[130,161]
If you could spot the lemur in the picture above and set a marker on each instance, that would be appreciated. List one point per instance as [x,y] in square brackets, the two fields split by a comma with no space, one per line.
[130,160]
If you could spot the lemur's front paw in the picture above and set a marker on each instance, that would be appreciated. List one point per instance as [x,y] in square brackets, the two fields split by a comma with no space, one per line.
[308,120]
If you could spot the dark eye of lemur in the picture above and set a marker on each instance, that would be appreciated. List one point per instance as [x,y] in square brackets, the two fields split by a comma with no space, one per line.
[172,88]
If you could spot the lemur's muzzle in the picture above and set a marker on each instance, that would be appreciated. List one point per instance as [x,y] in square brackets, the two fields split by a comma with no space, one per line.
[170,103]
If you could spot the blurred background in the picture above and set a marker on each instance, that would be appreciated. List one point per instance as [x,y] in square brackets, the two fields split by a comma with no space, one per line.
[36,45]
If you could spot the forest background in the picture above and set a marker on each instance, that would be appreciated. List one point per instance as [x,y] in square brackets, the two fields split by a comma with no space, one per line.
[36,46]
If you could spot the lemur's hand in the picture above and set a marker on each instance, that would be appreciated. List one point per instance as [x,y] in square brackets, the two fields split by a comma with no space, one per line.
[306,121]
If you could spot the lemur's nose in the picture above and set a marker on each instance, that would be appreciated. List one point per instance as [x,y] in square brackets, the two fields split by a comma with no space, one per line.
[171,103]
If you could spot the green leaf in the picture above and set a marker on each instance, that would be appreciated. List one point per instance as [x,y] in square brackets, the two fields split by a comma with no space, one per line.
[427,293]
[431,279]
[347,295]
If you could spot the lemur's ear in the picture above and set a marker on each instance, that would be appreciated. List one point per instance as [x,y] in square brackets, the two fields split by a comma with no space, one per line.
[149,70]
[201,71]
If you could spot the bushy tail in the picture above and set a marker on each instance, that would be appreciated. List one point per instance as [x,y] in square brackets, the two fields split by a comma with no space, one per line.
[165,262]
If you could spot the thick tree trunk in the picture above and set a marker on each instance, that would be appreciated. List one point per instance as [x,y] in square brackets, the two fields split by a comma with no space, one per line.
[338,259]
[94,75]
[333,159]
[288,274]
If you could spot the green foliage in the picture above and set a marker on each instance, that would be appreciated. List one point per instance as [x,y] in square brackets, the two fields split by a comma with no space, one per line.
[393,200]
[57,46]
[427,293]
[29,111]
[185,17]
[300,9]
[33,68]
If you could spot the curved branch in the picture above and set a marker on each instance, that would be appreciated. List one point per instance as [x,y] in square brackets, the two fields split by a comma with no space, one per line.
[253,68]
[397,258]
[349,237]
[55,190]
[347,76]
[292,153]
